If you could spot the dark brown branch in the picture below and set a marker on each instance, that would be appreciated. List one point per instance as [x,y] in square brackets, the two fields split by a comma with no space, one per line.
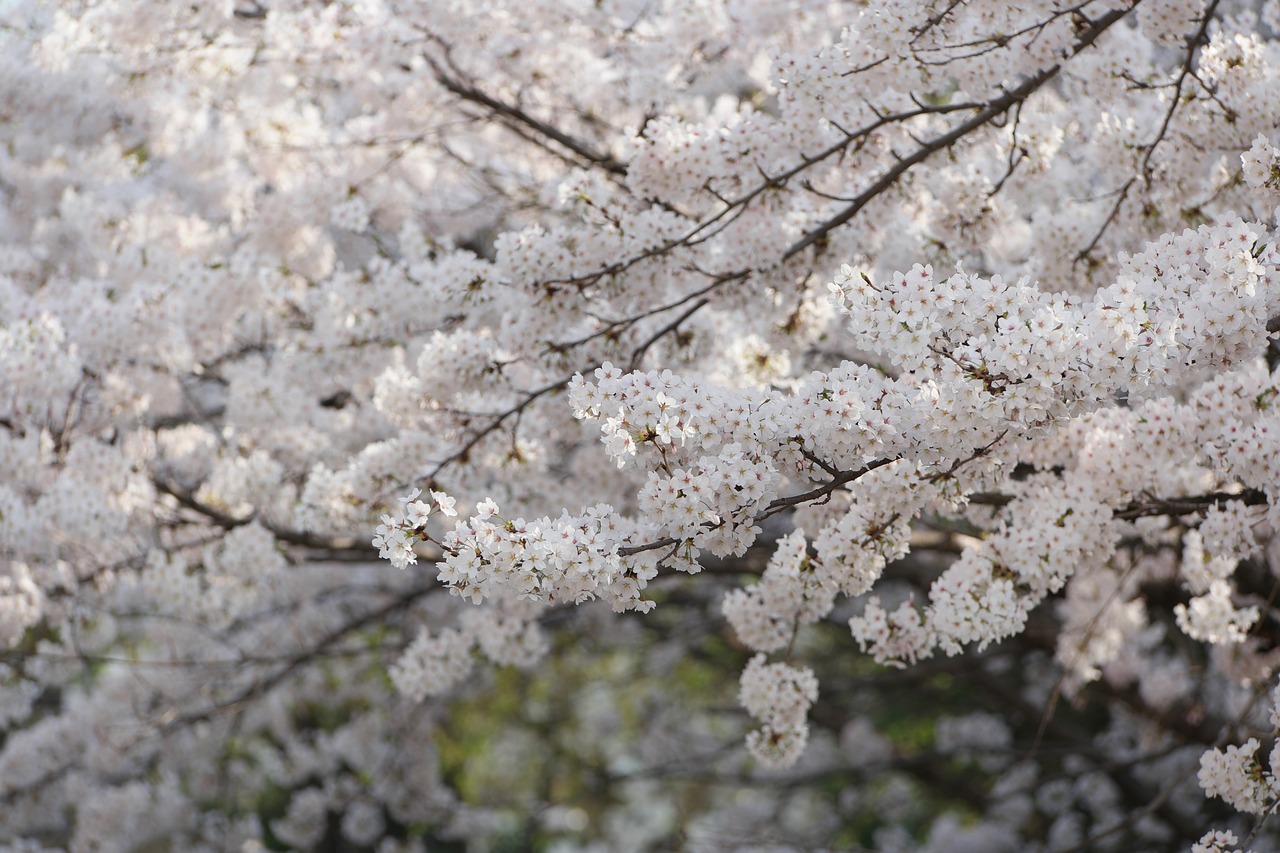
[1186,505]
[1192,45]
[342,546]
[330,639]
[774,507]
[643,347]
[522,119]
[734,207]
[992,110]
[462,453]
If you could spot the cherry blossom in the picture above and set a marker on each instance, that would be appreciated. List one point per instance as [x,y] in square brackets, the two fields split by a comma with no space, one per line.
[638,425]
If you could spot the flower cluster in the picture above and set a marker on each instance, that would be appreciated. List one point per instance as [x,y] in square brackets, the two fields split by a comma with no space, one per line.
[1216,841]
[778,695]
[791,593]
[1236,776]
[1213,618]
[396,535]
[432,665]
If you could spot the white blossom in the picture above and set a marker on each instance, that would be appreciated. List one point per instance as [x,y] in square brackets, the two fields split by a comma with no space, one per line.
[312,312]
